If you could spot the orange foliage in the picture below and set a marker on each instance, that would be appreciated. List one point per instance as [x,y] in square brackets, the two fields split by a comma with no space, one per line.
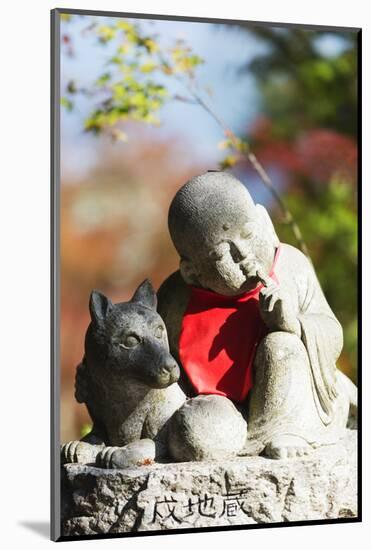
[113,235]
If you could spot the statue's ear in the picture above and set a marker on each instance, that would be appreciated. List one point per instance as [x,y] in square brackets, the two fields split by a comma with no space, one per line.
[266,222]
[145,294]
[99,306]
[188,271]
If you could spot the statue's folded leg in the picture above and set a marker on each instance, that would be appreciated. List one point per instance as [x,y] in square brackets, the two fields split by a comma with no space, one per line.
[206,427]
[282,411]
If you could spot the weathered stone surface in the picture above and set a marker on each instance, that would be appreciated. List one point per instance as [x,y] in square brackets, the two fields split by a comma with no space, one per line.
[206,494]
[228,245]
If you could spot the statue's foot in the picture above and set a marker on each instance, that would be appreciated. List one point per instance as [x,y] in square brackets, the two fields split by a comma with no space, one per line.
[138,453]
[79,451]
[287,446]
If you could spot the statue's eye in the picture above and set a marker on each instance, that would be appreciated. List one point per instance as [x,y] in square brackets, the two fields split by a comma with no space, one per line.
[214,255]
[218,253]
[159,332]
[247,231]
[130,341]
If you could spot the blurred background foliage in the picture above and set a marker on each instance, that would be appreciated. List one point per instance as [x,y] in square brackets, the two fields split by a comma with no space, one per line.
[291,94]
[308,131]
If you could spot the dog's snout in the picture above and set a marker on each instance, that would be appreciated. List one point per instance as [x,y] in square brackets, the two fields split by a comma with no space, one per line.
[170,364]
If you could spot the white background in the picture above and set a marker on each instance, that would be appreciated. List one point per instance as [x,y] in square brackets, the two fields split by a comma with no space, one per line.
[24,302]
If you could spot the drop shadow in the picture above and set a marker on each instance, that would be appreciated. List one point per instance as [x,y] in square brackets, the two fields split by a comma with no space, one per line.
[41,528]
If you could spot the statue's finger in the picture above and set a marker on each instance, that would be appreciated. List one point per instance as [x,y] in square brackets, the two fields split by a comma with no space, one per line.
[271,303]
[263,278]
[275,300]
[265,294]
[269,290]
[265,300]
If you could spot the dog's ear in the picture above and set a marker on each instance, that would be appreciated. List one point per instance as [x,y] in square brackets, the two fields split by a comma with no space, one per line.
[99,306]
[145,294]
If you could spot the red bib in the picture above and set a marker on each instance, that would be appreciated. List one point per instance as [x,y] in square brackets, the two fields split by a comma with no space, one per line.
[218,340]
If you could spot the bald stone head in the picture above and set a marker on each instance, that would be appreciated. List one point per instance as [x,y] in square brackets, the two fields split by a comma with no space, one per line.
[222,237]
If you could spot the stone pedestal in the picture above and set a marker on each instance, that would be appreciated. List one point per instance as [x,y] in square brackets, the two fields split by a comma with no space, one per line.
[242,491]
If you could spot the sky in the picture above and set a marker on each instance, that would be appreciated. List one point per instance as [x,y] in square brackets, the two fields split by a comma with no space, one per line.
[234,95]
[234,98]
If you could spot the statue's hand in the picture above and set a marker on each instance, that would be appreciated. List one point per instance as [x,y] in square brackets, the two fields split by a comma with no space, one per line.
[276,308]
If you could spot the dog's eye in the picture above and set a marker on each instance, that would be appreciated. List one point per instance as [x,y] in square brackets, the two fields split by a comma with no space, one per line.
[159,331]
[130,341]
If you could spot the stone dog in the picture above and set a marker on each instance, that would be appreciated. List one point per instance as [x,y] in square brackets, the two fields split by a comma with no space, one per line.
[127,380]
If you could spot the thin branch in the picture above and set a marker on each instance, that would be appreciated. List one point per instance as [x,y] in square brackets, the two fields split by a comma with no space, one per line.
[184,99]
[257,167]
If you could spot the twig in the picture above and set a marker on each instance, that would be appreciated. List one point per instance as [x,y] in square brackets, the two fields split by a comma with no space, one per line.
[257,167]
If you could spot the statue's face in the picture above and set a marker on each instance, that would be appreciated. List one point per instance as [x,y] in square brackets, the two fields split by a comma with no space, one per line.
[227,258]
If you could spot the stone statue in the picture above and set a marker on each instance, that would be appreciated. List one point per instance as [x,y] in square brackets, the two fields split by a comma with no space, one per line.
[127,381]
[238,360]
[248,323]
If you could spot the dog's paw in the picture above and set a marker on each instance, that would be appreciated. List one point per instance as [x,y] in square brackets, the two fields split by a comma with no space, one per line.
[79,452]
[138,453]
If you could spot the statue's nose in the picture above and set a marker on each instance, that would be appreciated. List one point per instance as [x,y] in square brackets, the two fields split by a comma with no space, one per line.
[237,251]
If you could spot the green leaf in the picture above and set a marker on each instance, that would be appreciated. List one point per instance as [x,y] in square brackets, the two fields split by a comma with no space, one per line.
[125,26]
[116,60]
[228,162]
[119,135]
[148,67]
[106,33]
[65,17]
[151,46]
[85,429]
[103,79]
[124,48]
[66,103]
[71,87]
